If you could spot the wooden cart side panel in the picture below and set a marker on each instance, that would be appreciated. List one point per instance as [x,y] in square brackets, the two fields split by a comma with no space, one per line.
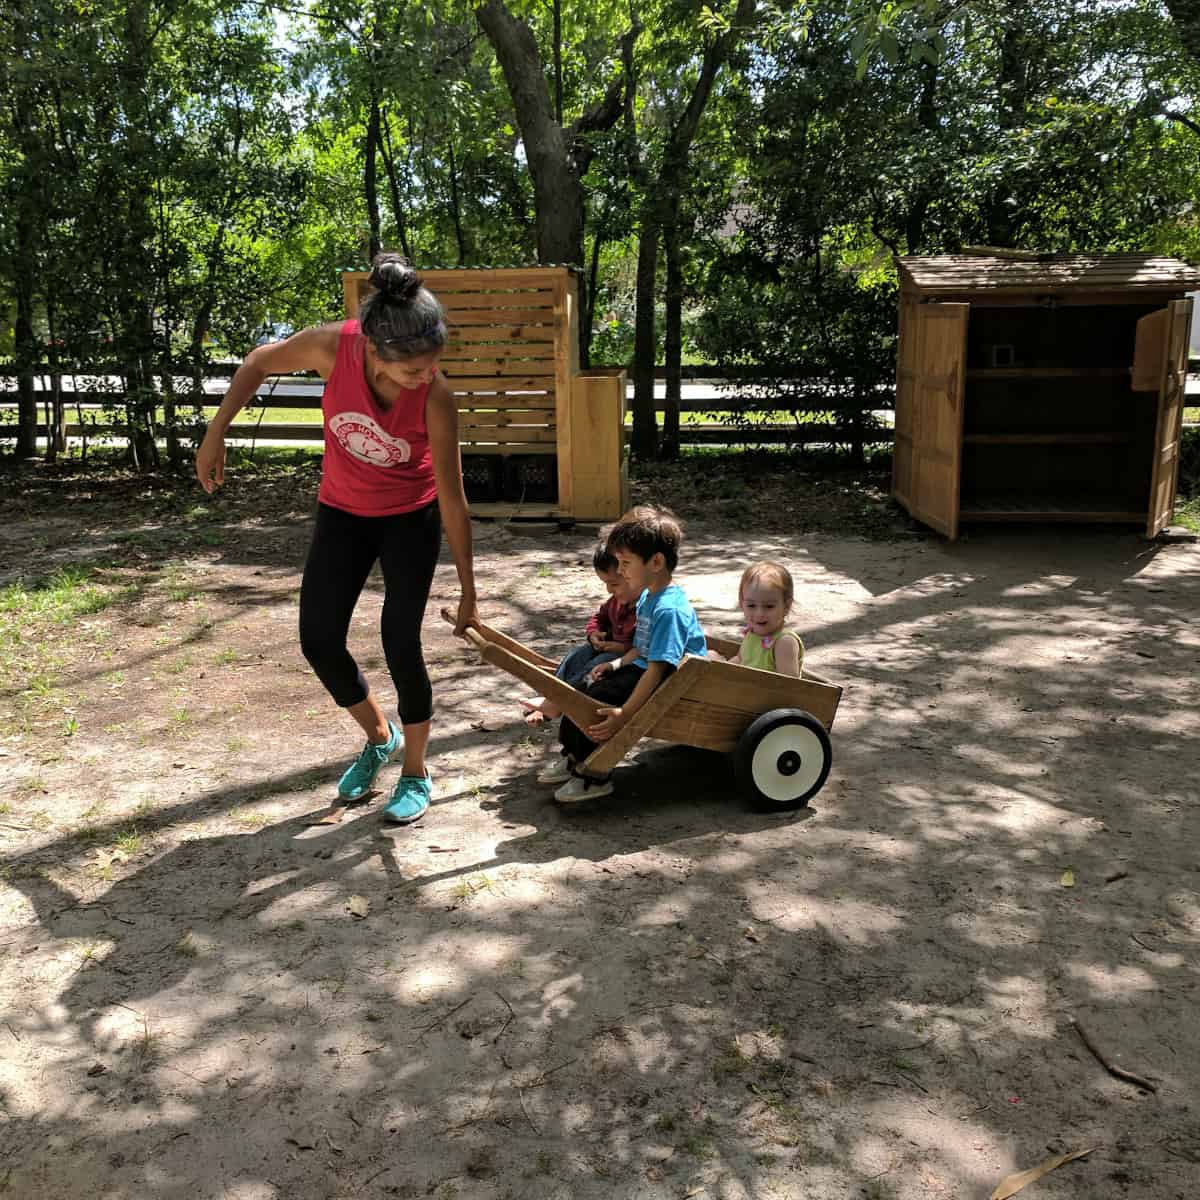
[645,720]
[1165,470]
[705,725]
[730,685]
[906,373]
[938,393]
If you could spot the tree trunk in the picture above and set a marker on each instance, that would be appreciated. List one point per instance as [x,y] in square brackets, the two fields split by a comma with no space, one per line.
[370,177]
[914,222]
[644,443]
[456,207]
[673,347]
[589,309]
[1186,16]
[1003,222]
[26,349]
[389,165]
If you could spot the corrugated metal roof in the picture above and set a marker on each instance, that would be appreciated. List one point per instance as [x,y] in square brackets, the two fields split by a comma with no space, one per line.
[956,273]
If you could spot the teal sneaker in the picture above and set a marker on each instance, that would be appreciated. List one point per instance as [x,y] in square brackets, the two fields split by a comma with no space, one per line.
[362,771]
[410,799]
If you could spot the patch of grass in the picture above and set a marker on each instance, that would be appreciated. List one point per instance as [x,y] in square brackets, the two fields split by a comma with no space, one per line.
[225,658]
[235,745]
[1187,514]
[180,665]
[70,727]
[5,808]
[181,717]
[698,1146]
[186,946]
[68,593]
[130,841]
[544,571]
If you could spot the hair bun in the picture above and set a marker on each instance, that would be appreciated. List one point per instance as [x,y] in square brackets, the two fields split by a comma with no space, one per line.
[393,278]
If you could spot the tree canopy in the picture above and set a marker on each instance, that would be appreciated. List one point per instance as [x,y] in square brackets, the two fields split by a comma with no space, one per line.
[732,178]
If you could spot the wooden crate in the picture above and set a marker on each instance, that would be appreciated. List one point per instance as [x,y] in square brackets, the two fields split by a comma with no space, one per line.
[513,364]
[1048,388]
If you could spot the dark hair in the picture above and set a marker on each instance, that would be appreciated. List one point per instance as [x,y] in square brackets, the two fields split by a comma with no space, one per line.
[603,559]
[647,531]
[401,317]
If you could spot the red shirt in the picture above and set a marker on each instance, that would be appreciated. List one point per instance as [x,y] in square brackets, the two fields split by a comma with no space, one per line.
[618,621]
[377,460]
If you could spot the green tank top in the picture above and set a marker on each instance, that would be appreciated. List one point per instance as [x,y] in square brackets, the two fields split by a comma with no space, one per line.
[754,654]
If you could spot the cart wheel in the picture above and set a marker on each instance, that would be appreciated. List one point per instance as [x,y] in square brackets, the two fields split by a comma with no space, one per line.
[783,759]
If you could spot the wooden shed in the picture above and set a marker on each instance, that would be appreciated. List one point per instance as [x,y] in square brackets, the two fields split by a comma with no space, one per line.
[539,437]
[1041,387]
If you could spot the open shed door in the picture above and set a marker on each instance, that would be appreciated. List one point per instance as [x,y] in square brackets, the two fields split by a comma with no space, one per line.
[1172,386]
[935,416]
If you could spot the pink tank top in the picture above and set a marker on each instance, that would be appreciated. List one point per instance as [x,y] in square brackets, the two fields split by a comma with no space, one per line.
[377,460]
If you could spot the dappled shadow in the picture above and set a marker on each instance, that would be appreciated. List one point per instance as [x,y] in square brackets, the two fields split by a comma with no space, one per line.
[666,991]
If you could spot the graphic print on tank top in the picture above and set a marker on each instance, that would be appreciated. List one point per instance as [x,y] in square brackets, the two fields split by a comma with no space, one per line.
[360,435]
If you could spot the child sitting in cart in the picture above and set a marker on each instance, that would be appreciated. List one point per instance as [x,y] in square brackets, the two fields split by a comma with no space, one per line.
[765,596]
[646,544]
[609,634]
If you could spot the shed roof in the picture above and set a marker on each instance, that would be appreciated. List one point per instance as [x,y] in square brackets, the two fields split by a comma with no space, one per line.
[1042,273]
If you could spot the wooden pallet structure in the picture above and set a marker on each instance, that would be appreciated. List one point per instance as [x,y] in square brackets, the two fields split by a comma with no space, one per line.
[535,429]
[776,726]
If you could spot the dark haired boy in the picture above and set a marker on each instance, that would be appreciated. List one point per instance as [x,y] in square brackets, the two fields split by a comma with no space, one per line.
[645,542]
[609,634]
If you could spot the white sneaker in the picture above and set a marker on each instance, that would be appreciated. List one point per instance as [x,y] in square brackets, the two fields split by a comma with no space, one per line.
[558,771]
[581,787]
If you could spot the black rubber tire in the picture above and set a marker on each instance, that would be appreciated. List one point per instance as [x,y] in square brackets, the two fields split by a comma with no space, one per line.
[781,745]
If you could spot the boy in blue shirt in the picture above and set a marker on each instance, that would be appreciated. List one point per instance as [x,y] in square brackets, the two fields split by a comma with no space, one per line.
[646,543]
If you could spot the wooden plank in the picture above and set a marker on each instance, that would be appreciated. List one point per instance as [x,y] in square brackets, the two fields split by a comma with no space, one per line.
[643,722]
[515,435]
[566,367]
[752,691]
[465,366]
[580,708]
[537,299]
[706,726]
[1063,515]
[502,334]
[597,446]
[466,380]
[538,512]
[497,638]
[937,419]
[517,402]
[472,419]
[1164,473]
[546,448]
[486,317]
[1150,344]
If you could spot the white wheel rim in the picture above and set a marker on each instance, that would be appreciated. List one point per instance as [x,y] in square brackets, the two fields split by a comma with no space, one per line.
[787,762]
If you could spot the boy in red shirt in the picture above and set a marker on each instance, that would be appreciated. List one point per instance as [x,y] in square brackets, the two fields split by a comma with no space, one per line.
[609,635]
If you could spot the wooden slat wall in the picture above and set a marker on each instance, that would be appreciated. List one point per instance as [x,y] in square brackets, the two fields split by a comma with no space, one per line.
[509,356]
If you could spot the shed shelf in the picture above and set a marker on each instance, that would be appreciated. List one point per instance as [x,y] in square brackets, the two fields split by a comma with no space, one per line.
[1049,389]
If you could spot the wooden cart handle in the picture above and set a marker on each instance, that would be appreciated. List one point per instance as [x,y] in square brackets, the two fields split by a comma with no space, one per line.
[470,633]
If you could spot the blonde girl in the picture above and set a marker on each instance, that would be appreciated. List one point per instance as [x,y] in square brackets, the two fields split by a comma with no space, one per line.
[765,596]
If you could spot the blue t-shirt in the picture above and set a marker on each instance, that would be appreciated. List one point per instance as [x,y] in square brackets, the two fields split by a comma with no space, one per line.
[667,628]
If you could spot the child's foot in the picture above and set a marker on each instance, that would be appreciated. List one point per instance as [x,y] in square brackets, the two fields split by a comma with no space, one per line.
[410,799]
[360,775]
[584,787]
[558,771]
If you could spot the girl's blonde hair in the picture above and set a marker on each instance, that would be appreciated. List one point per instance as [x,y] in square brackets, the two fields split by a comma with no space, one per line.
[768,574]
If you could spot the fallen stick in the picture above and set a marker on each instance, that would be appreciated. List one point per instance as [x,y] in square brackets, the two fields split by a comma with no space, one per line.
[1118,1072]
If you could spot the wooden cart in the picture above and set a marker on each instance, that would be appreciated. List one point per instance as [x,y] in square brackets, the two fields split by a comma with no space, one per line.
[775,726]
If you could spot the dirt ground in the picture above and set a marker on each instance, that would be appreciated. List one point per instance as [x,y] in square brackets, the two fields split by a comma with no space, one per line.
[663,994]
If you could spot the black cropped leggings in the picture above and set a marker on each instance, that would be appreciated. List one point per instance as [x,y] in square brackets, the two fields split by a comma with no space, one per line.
[344,549]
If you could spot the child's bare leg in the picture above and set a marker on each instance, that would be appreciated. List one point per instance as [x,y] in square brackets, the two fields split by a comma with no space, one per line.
[539,710]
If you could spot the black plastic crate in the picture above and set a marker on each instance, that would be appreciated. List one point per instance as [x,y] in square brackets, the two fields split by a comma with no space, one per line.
[531,478]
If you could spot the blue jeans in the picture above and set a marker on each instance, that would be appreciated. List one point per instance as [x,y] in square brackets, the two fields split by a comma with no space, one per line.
[574,667]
